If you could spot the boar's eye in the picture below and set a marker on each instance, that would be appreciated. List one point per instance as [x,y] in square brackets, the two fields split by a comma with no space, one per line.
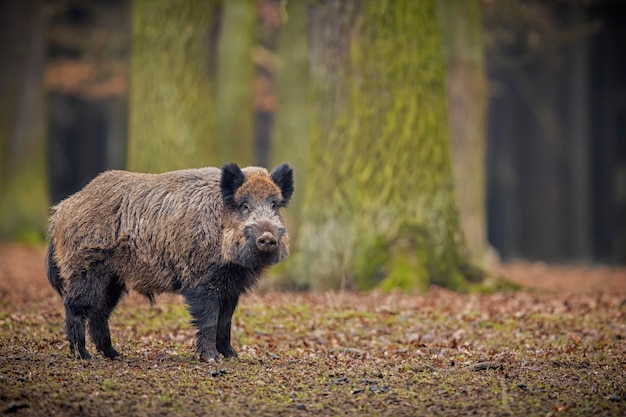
[245,208]
[275,204]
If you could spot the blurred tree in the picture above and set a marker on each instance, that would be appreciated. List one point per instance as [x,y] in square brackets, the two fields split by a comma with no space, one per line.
[287,71]
[292,131]
[266,63]
[86,82]
[461,28]
[379,205]
[234,88]
[173,112]
[23,196]
[556,149]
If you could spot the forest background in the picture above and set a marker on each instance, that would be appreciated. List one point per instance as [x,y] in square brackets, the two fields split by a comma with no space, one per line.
[428,138]
[436,143]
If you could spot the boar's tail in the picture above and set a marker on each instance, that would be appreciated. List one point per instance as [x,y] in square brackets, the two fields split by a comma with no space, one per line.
[53,271]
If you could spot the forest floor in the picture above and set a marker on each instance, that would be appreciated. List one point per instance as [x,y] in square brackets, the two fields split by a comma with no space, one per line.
[557,347]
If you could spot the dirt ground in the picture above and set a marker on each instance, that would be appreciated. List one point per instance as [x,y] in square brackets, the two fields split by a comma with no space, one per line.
[22,276]
[554,348]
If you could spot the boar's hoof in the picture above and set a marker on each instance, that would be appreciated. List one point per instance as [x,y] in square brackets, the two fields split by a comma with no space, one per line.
[267,242]
[210,356]
[227,351]
[110,353]
[80,352]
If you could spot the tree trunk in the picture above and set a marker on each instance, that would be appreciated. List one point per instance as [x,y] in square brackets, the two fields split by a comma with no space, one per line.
[23,197]
[173,121]
[578,134]
[235,81]
[291,132]
[291,135]
[461,27]
[379,205]
[87,121]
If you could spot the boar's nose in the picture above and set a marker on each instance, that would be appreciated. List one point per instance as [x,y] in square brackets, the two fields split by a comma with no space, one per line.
[266,242]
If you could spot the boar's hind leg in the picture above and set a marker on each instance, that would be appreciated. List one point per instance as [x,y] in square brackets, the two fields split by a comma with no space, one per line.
[227,308]
[99,318]
[204,306]
[75,314]
[91,295]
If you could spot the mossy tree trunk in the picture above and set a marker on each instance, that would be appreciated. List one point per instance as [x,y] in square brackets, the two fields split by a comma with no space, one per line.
[235,80]
[461,26]
[379,205]
[271,16]
[292,131]
[173,112]
[23,195]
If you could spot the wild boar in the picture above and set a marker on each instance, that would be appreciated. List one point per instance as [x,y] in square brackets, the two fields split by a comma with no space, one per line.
[207,234]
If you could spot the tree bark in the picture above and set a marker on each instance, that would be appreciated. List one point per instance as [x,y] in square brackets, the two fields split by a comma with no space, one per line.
[578,133]
[461,26]
[235,82]
[173,112]
[379,205]
[291,134]
[23,196]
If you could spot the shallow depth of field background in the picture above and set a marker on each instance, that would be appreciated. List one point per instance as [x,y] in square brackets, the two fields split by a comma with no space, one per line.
[458,225]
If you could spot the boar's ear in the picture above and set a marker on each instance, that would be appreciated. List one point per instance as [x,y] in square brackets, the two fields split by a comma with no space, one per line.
[282,176]
[232,179]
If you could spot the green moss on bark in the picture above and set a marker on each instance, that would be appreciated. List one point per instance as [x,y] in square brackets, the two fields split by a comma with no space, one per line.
[461,24]
[234,88]
[24,198]
[379,205]
[24,204]
[291,132]
[292,129]
[172,87]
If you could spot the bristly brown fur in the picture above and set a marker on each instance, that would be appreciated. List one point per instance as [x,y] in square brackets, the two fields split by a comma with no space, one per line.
[193,232]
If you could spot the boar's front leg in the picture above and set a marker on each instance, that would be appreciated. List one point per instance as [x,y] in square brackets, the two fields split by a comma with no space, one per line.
[204,307]
[228,304]
[99,317]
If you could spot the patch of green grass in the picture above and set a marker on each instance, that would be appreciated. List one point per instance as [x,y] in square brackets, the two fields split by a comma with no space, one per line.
[109,385]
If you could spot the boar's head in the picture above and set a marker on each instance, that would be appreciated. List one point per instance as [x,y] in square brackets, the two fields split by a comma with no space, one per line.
[254,233]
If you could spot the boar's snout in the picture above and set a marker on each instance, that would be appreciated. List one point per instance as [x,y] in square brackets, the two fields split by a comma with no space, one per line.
[266,242]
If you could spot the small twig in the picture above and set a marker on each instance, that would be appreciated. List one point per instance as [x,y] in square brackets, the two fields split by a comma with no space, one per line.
[481,366]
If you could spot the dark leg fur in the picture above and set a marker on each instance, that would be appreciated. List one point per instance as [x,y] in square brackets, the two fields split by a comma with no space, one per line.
[92,296]
[75,327]
[204,307]
[227,308]
[100,334]
[205,344]
[99,319]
